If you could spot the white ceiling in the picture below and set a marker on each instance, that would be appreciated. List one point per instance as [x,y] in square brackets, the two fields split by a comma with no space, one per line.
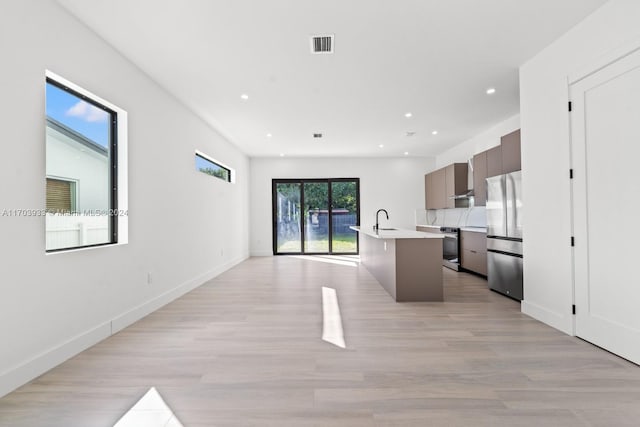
[433,58]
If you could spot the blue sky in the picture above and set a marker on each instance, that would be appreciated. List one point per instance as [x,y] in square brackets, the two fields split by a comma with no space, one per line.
[204,163]
[78,115]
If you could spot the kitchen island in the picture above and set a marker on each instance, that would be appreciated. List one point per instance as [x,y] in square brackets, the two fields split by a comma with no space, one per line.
[407,263]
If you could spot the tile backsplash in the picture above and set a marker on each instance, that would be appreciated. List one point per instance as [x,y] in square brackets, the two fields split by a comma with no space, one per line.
[460,217]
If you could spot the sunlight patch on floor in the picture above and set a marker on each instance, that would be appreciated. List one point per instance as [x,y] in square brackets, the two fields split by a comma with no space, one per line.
[331,319]
[149,411]
[347,260]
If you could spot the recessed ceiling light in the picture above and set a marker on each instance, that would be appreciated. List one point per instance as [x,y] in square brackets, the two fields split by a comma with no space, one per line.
[244,96]
[406,153]
[281,154]
[407,115]
[435,132]
[381,145]
[269,135]
[491,91]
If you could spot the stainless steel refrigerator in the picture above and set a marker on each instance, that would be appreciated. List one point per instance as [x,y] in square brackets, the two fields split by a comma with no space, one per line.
[504,234]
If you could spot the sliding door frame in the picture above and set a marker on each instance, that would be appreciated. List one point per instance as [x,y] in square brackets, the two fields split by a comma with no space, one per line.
[329,181]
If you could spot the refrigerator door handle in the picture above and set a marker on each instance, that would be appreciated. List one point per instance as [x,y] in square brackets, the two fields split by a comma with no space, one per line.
[495,251]
[513,200]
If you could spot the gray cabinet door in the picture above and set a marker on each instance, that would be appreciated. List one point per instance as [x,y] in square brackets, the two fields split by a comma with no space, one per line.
[494,161]
[439,189]
[510,145]
[428,192]
[479,178]
[473,251]
[449,181]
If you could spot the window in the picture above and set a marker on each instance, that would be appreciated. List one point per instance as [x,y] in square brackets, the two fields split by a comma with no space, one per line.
[206,165]
[81,168]
[61,196]
[314,216]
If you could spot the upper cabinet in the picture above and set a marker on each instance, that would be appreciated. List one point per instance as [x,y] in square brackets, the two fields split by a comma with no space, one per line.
[428,191]
[510,145]
[498,160]
[456,183]
[441,185]
[435,189]
[494,161]
[479,178]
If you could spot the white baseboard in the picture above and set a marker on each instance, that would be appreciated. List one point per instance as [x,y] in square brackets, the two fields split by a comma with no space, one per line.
[129,317]
[38,365]
[556,320]
[261,253]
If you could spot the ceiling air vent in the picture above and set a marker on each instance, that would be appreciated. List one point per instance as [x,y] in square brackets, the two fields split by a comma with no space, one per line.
[322,44]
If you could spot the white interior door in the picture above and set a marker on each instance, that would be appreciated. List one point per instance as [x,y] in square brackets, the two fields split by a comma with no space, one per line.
[605,126]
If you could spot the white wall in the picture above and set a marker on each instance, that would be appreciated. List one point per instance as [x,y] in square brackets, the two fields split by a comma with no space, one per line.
[184,226]
[479,143]
[548,288]
[395,184]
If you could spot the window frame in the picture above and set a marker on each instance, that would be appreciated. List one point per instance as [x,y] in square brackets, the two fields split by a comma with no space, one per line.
[302,181]
[230,171]
[118,224]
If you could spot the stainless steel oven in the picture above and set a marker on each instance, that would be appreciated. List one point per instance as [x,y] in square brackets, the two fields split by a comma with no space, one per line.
[451,247]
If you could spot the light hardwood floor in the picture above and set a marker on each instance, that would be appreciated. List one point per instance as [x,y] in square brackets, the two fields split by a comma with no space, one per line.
[245,349]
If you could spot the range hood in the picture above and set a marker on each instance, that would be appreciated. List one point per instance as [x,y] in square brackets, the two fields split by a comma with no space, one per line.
[462,196]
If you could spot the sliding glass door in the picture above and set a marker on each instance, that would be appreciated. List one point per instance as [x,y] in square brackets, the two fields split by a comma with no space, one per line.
[316,215]
[313,216]
[287,222]
[345,206]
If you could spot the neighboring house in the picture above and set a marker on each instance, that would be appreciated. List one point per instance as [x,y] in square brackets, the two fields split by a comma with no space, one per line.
[77,184]
[77,171]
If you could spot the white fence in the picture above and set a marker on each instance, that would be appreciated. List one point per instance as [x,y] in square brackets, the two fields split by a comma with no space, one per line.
[67,231]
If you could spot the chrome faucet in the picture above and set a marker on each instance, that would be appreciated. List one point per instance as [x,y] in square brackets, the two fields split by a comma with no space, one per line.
[376,227]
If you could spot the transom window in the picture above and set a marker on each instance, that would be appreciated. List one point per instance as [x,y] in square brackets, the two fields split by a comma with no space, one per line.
[211,167]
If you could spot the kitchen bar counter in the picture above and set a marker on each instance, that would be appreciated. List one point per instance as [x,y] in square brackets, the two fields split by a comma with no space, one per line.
[397,234]
[463,228]
[407,263]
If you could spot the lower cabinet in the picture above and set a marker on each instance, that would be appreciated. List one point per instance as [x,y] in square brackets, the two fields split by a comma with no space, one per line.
[473,251]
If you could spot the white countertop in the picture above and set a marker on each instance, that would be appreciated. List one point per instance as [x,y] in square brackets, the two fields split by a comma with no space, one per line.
[397,234]
[474,229]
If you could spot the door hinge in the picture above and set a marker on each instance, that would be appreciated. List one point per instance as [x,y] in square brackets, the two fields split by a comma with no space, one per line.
[570,173]
[573,309]
[570,105]
[573,241]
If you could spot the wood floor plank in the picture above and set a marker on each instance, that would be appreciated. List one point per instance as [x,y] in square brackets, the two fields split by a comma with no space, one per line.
[245,349]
